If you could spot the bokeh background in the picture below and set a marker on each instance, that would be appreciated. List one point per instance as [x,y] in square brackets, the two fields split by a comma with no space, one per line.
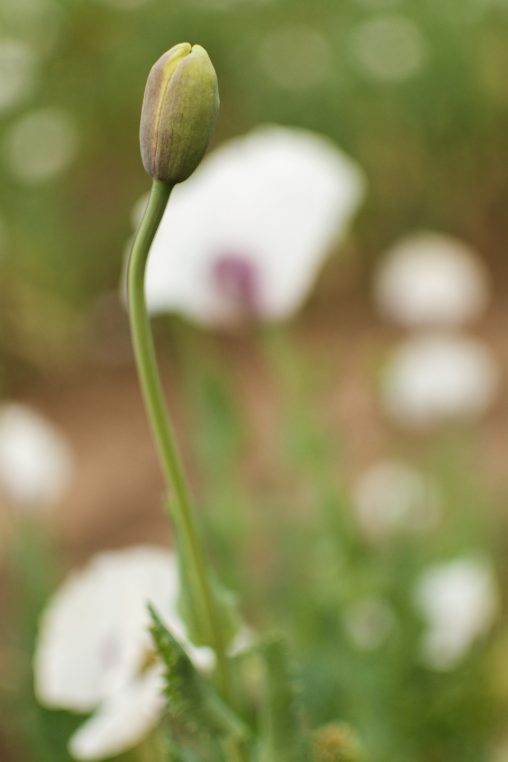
[277,424]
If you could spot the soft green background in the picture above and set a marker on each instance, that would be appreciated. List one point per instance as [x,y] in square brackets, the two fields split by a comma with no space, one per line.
[433,144]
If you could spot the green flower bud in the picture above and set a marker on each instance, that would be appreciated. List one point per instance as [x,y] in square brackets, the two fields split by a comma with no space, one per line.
[179,112]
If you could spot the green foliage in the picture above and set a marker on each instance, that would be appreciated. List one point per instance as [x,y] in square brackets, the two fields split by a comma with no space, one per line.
[200,723]
[284,736]
[224,601]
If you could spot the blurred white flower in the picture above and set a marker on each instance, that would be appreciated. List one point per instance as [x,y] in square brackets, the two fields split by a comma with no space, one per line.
[40,145]
[434,378]
[392,497]
[389,48]
[36,462]
[296,57]
[94,645]
[368,623]
[17,72]
[246,234]
[429,279]
[459,602]
[123,720]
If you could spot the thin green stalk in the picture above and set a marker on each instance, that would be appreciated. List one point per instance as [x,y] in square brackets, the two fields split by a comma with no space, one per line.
[144,352]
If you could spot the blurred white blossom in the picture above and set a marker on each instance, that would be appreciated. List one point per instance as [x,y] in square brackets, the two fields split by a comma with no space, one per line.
[36,462]
[388,47]
[435,378]
[368,622]
[123,720]
[17,72]
[94,645]
[429,279]
[392,497]
[296,57]
[459,602]
[245,236]
[40,145]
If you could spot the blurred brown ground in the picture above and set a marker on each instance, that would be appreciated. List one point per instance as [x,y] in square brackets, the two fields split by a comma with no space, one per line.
[116,496]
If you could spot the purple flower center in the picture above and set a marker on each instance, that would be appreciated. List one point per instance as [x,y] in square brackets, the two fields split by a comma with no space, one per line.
[237,280]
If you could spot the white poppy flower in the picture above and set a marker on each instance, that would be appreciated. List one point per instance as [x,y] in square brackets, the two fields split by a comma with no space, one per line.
[392,497]
[434,378]
[36,462]
[123,720]
[246,234]
[430,279]
[94,644]
[459,602]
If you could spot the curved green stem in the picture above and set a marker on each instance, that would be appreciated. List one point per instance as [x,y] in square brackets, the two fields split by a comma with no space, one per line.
[203,599]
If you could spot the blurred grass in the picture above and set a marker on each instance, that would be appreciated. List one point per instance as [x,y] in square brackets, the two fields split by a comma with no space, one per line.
[296,553]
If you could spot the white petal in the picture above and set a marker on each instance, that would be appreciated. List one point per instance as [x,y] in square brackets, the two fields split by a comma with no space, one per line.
[277,198]
[459,602]
[392,497]
[434,378]
[36,462]
[122,721]
[430,279]
[93,635]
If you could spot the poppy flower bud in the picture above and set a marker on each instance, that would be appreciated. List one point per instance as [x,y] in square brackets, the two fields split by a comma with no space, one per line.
[179,111]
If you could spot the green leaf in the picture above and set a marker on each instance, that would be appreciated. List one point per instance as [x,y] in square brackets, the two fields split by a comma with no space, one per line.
[195,710]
